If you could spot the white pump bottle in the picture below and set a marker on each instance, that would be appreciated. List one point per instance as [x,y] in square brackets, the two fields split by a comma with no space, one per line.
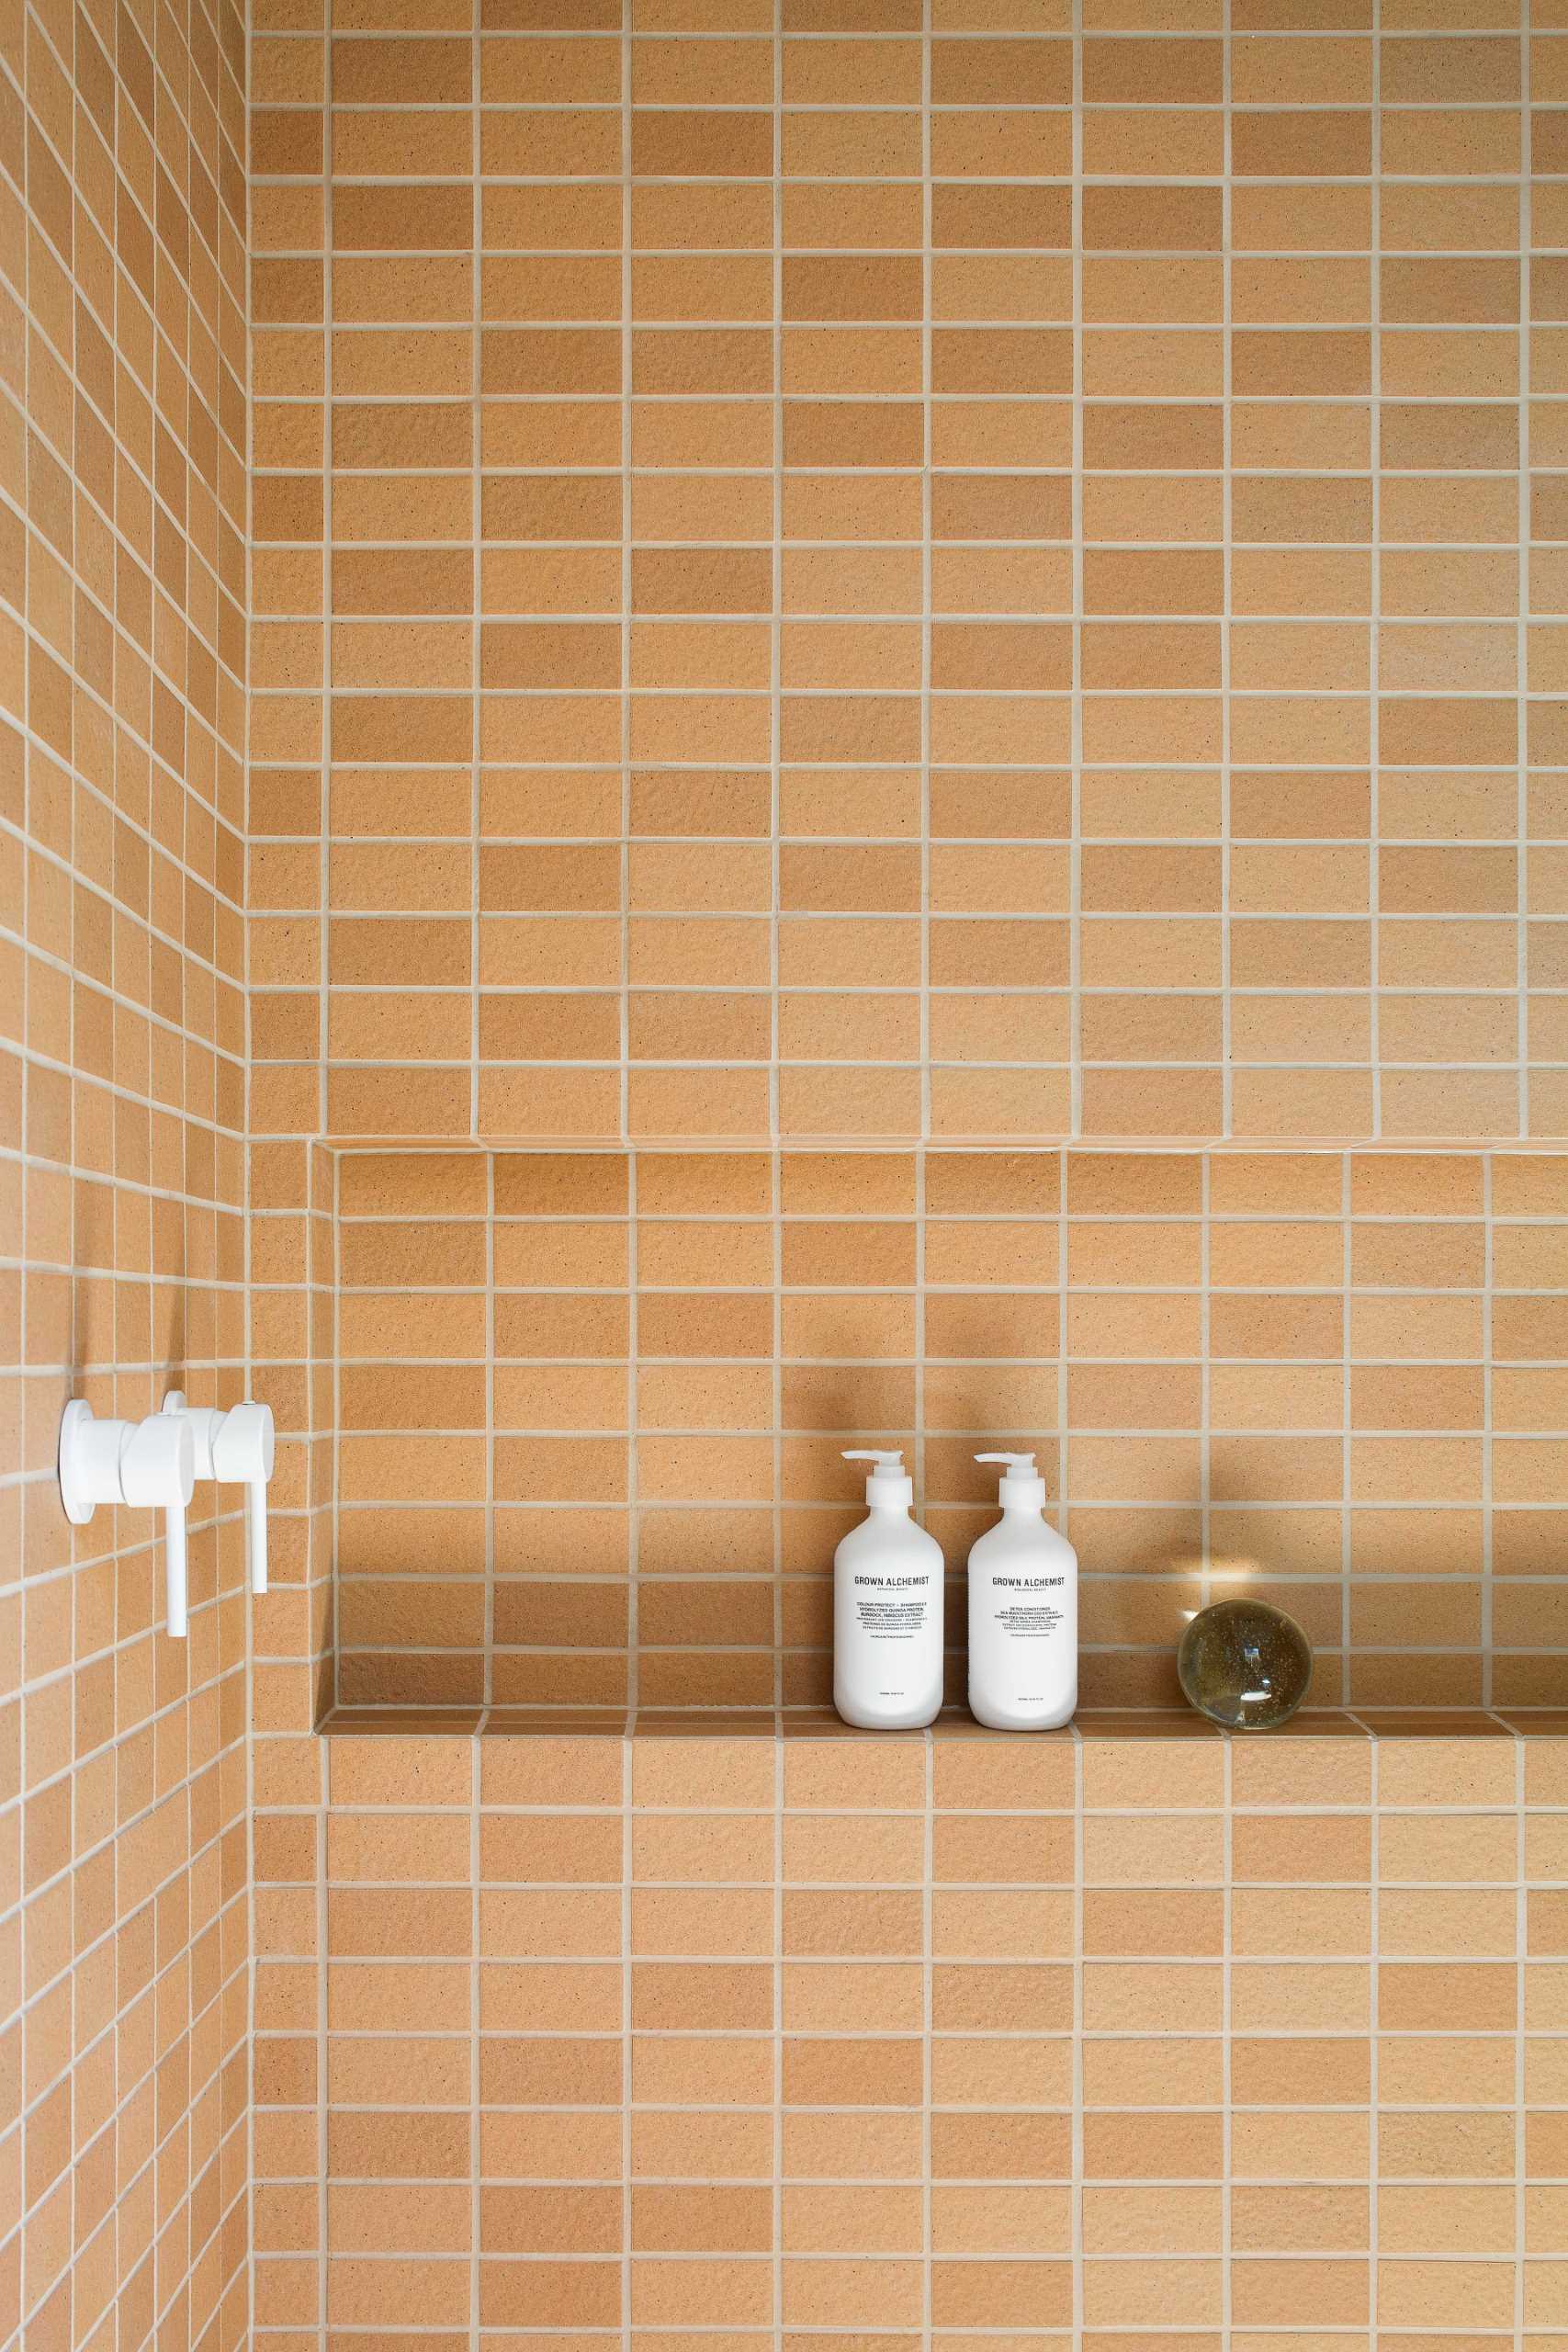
[1023,1611]
[888,1608]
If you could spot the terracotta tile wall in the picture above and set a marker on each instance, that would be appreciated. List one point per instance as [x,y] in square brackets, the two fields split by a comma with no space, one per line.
[847,573]
[124,1881]
[710,2040]
[591,1408]
[815,581]
[290,1295]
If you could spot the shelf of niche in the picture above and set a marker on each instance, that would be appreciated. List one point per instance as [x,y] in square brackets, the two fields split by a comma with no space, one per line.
[816,1724]
[1459,1145]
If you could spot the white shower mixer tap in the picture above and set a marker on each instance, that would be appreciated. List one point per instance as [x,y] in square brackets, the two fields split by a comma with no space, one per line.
[236,1448]
[148,1465]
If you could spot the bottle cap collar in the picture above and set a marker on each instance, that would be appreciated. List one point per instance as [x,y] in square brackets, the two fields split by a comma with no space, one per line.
[888,1484]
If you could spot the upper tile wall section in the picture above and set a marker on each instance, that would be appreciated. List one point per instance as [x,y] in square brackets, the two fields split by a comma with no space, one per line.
[883,574]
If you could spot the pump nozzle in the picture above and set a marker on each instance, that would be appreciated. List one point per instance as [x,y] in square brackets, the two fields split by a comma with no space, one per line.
[888,1484]
[1022,1485]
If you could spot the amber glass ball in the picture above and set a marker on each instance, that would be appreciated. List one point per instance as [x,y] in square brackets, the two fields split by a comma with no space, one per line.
[1245,1665]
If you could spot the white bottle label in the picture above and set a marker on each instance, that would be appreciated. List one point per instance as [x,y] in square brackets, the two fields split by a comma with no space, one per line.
[891,1609]
[1025,1614]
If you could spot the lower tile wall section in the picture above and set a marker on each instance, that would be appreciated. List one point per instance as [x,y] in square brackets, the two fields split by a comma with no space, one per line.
[819,2044]
[591,1409]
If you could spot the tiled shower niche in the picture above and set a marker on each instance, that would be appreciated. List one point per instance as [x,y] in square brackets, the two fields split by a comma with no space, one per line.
[590,1409]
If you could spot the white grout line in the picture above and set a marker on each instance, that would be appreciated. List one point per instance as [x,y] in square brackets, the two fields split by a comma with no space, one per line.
[776,1164]
[928,2020]
[628,2039]
[333,1378]
[247,1261]
[634,1409]
[1227,494]
[1521,2047]
[492,1421]
[1347,1410]
[319,1819]
[776,586]
[781,1794]
[1076,751]
[1079,2035]
[1204,1462]
[628,530]
[1374,2028]
[1488,1515]
[322,912]
[927,461]
[1227,2034]
[1525,585]
[480,603]
[476,2103]
[1374,633]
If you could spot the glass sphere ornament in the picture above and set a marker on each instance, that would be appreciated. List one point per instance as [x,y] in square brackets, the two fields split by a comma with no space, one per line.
[1245,1665]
